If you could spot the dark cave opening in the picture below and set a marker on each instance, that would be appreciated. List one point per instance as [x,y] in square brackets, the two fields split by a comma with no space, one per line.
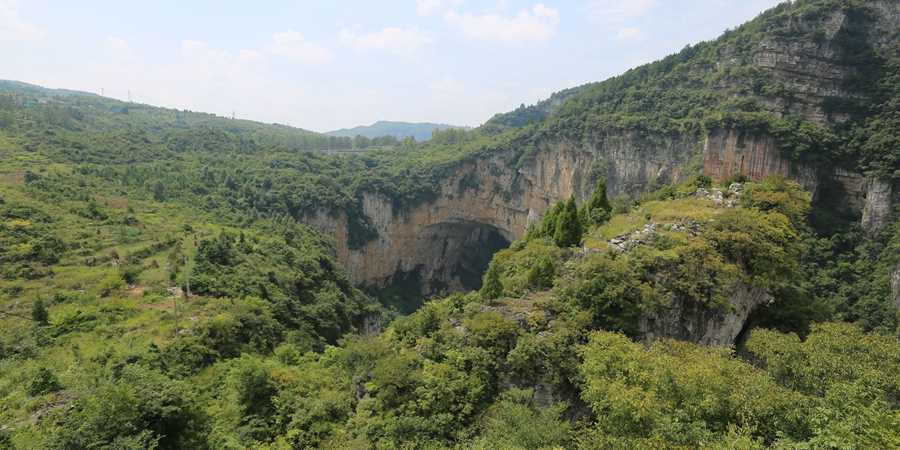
[448,257]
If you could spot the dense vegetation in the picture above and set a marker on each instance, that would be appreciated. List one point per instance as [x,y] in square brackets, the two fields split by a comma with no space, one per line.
[399,130]
[158,288]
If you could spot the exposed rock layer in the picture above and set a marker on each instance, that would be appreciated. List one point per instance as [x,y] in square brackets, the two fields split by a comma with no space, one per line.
[494,197]
[692,321]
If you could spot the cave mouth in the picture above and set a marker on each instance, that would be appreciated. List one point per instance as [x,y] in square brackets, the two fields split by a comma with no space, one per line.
[467,250]
[448,257]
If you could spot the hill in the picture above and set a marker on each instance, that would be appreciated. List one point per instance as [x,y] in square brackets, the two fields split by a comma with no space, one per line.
[702,252]
[419,131]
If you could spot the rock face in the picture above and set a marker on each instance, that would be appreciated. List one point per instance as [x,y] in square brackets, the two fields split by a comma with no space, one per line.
[895,286]
[488,200]
[691,321]
[877,212]
[485,203]
[730,152]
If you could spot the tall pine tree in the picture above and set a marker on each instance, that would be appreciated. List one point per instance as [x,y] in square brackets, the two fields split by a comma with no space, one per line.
[598,210]
[491,287]
[568,226]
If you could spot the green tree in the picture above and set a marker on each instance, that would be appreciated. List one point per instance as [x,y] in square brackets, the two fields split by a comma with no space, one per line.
[541,274]
[598,209]
[491,287]
[547,226]
[39,312]
[159,191]
[44,381]
[568,227]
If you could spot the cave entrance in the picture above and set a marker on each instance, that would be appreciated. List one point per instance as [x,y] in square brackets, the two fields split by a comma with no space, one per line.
[448,257]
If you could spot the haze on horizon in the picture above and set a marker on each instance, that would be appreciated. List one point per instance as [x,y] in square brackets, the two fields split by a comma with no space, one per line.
[320,65]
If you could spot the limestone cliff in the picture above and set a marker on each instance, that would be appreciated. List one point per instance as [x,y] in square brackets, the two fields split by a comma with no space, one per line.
[691,321]
[727,153]
[895,286]
[487,202]
[879,201]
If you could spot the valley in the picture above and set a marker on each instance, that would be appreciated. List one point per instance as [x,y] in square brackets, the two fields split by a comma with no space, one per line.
[702,252]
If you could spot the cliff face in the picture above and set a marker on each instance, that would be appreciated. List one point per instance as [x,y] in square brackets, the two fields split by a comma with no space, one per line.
[486,203]
[690,321]
[879,202]
[895,285]
[727,153]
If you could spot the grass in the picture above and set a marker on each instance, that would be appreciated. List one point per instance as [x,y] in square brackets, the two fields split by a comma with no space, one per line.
[658,211]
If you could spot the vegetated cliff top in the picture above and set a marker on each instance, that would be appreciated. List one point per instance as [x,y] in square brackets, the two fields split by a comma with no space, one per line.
[814,73]
[817,75]
[421,131]
[841,92]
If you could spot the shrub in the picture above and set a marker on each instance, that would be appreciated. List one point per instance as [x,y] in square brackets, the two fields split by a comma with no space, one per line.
[39,312]
[491,288]
[43,381]
[541,274]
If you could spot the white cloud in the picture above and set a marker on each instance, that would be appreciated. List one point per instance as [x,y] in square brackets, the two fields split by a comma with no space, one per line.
[534,25]
[428,7]
[629,34]
[392,39]
[616,11]
[14,28]
[292,45]
[432,7]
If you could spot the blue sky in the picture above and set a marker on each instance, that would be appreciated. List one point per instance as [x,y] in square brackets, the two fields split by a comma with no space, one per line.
[322,65]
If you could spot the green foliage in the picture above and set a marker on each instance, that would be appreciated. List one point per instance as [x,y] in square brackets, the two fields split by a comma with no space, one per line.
[763,243]
[850,376]
[491,287]
[541,274]
[612,290]
[680,394]
[139,409]
[42,382]
[39,312]
[598,209]
[547,226]
[568,226]
[263,351]
[515,423]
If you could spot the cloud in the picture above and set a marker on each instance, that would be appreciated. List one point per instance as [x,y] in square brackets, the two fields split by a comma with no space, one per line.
[617,11]
[432,7]
[629,34]
[392,39]
[428,7]
[291,45]
[14,28]
[535,25]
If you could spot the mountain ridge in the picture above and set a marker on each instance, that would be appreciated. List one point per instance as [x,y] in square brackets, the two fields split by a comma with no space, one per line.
[421,131]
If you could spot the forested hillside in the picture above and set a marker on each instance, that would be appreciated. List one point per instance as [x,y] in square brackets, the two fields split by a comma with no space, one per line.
[400,130]
[163,283]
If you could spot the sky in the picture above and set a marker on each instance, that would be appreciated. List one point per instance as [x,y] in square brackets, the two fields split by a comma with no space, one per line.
[328,64]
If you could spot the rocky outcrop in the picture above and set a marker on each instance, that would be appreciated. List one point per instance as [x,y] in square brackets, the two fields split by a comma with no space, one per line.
[727,153]
[490,199]
[895,286]
[485,203]
[877,212]
[691,321]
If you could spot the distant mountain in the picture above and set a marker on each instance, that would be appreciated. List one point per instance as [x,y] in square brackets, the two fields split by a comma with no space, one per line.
[420,131]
